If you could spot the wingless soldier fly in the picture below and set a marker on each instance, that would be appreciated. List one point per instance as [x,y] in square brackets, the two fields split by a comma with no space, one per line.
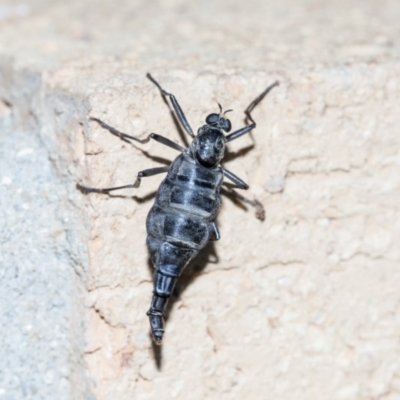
[183,218]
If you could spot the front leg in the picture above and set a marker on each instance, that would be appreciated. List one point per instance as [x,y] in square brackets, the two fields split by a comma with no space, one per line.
[177,108]
[249,109]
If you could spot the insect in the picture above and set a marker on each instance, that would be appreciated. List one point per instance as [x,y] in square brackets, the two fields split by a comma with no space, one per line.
[183,218]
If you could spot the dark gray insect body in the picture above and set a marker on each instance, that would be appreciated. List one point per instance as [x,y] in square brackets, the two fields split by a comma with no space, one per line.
[179,225]
[182,219]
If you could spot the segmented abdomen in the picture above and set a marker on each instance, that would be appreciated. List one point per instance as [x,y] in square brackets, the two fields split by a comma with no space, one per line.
[187,201]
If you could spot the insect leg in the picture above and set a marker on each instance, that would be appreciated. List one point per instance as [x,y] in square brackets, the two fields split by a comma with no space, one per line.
[127,138]
[142,174]
[215,235]
[178,110]
[249,109]
[240,132]
[235,179]
[260,212]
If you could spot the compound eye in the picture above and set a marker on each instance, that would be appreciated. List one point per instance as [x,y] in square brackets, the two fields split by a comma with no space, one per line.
[212,119]
[227,125]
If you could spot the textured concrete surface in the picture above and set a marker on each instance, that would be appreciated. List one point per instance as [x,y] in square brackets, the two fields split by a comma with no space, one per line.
[302,306]
[40,289]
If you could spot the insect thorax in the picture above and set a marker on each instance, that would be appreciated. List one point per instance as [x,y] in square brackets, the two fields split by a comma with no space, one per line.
[208,147]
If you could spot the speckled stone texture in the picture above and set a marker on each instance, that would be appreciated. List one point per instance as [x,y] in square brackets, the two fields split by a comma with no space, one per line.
[304,305]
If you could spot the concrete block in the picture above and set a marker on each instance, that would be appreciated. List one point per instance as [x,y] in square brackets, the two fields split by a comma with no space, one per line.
[303,305]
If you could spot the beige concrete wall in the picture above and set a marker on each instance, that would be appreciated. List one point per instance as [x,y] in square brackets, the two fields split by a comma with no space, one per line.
[301,306]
